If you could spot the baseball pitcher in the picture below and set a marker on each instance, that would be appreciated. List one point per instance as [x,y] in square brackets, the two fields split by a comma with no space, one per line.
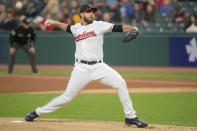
[89,64]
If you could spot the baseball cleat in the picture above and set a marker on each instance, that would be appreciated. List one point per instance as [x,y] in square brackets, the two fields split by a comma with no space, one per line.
[136,121]
[30,117]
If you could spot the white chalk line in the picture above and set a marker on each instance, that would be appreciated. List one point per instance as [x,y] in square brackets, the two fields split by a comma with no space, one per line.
[18,121]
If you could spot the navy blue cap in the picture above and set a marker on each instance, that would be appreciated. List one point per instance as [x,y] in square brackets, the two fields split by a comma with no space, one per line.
[88,7]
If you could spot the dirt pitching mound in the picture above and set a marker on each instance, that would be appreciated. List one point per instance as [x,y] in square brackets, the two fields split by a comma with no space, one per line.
[18,124]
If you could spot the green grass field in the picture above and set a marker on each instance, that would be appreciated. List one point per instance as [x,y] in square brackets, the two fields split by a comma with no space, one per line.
[160,108]
[172,75]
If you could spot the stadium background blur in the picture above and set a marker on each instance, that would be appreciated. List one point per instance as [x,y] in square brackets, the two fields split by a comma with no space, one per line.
[148,15]
[167,31]
[162,41]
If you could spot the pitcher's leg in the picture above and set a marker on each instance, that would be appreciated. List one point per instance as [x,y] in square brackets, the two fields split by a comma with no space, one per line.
[113,79]
[77,81]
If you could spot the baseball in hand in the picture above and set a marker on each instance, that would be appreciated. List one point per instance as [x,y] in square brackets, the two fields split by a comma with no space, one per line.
[46,23]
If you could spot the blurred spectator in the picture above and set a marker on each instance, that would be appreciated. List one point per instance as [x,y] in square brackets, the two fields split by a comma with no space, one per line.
[66,14]
[90,2]
[101,9]
[143,4]
[179,17]
[5,2]
[60,17]
[186,0]
[126,9]
[52,7]
[31,10]
[76,17]
[3,17]
[63,5]
[149,15]
[106,17]
[39,5]
[100,6]
[193,26]
[67,11]
[37,22]
[19,5]
[137,16]
[114,11]
[19,8]
[11,23]
[167,7]
[160,3]
[74,5]
[99,15]
[46,28]
[153,4]
[2,8]
[10,9]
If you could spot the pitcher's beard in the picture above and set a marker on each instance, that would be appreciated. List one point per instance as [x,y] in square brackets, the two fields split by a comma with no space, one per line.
[88,21]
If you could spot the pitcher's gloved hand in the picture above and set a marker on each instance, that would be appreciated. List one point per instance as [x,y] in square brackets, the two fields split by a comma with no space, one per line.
[128,36]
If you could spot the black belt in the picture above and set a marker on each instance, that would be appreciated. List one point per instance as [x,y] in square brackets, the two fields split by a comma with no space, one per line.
[88,62]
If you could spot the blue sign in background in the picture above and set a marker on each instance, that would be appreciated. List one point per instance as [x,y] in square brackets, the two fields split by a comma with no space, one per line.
[178,53]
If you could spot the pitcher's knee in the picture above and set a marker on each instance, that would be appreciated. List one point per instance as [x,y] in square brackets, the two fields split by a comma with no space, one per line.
[121,83]
[67,98]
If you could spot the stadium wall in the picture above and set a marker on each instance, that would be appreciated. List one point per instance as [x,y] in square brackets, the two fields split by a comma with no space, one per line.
[149,49]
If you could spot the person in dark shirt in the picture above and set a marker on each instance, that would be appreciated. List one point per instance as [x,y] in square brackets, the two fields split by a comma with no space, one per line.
[137,15]
[179,16]
[10,23]
[149,14]
[114,11]
[23,37]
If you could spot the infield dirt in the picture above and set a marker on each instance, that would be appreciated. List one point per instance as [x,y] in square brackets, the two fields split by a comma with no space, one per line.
[17,124]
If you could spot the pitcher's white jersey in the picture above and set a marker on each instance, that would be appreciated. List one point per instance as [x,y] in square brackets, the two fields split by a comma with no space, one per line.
[89,39]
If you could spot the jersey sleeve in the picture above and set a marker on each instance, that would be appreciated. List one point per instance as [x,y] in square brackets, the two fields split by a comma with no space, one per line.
[68,29]
[105,26]
[72,29]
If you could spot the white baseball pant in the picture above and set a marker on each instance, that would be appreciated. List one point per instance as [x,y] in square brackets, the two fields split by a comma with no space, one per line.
[83,74]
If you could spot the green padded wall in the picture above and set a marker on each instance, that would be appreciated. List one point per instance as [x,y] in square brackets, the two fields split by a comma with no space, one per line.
[58,48]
